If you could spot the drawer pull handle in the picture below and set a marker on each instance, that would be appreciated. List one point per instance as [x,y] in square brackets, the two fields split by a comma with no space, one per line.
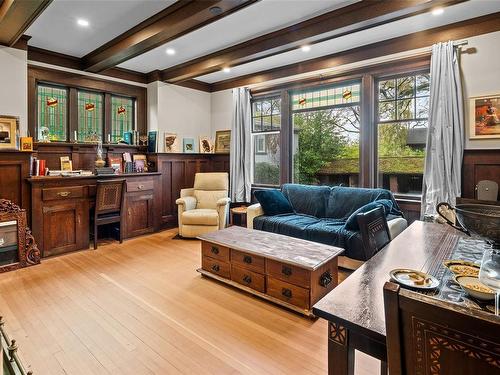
[140,187]
[215,250]
[2,241]
[247,259]
[285,270]
[286,292]
[64,193]
[325,279]
[215,268]
[247,279]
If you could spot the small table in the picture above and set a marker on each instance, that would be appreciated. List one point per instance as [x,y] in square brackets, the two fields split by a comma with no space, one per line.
[241,213]
[288,271]
[355,309]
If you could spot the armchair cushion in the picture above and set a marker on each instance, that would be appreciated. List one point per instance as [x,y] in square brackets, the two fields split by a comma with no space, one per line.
[200,217]
[209,198]
[188,202]
[388,206]
[273,202]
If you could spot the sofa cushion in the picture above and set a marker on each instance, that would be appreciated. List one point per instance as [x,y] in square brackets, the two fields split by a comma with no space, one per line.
[293,225]
[200,217]
[343,201]
[386,204]
[273,202]
[307,199]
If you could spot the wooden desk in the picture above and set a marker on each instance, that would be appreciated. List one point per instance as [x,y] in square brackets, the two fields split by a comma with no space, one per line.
[355,309]
[60,208]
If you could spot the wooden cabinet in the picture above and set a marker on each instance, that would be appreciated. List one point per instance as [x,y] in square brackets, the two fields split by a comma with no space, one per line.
[66,226]
[138,214]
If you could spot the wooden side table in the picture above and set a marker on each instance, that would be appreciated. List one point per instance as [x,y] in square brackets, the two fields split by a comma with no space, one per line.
[238,216]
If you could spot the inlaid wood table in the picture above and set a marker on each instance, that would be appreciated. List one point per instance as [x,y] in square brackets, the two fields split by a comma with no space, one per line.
[355,309]
[290,272]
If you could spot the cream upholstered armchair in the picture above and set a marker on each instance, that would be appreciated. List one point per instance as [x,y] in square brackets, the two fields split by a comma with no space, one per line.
[205,207]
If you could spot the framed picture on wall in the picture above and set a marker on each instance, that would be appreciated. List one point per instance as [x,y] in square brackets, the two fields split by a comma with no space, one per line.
[8,129]
[222,141]
[484,117]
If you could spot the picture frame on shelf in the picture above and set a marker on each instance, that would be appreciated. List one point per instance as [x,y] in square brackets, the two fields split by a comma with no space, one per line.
[171,143]
[26,144]
[206,146]
[8,132]
[152,141]
[222,141]
[188,145]
[115,162]
[140,162]
[128,138]
[484,117]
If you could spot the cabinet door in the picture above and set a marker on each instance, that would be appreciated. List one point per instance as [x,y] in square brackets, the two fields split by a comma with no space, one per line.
[65,227]
[139,214]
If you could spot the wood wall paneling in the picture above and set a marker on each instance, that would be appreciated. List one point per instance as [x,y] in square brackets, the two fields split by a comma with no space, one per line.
[479,165]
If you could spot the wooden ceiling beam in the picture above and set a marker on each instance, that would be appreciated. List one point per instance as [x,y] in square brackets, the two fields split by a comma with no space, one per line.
[16,16]
[352,18]
[182,17]
[455,31]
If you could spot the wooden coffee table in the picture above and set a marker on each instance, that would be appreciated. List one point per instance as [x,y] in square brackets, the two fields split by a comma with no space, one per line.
[288,271]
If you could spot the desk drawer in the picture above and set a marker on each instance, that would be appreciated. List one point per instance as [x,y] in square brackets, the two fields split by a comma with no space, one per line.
[215,251]
[287,292]
[216,266]
[248,261]
[291,274]
[139,185]
[69,192]
[248,278]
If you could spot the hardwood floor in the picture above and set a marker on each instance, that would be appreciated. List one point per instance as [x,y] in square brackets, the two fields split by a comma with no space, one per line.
[141,308]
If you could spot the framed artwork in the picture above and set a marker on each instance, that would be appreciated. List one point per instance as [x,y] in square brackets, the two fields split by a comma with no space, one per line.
[26,144]
[188,145]
[222,141]
[171,143]
[8,129]
[206,146]
[484,112]
[152,142]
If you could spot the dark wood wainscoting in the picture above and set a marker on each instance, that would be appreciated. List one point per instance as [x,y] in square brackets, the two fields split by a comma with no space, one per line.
[479,165]
[14,169]
[177,172]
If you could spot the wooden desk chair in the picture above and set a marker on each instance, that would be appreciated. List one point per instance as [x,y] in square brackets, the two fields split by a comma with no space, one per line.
[374,229]
[109,199]
[430,336]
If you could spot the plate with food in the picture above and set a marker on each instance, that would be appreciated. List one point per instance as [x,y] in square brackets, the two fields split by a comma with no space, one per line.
[475,288]
[414,279]
[462,267]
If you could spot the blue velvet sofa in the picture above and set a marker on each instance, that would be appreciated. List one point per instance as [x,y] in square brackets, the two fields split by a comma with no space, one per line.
[320,214]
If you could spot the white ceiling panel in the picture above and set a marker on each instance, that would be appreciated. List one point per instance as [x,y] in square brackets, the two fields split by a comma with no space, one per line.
[57,30]
[254,20]
[456,13]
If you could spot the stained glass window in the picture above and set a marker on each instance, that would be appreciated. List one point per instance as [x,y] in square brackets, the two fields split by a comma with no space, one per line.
[90,116]
[326,97]
[52,106]
[122,117]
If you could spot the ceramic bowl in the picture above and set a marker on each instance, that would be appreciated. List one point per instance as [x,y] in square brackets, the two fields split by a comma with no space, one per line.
[467,281]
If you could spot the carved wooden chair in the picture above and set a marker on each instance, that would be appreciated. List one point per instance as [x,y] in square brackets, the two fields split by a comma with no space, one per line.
[374,229]
[108,209]
[430,336]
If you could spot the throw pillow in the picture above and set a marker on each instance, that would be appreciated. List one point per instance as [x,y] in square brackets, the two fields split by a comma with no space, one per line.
[273,202]
[386,204]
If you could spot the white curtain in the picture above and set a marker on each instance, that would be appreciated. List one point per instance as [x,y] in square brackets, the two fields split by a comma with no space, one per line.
[445,138]
[241,153]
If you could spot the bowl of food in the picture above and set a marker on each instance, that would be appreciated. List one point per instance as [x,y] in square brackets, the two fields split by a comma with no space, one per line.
[462,267]
[478,220]
[475,288]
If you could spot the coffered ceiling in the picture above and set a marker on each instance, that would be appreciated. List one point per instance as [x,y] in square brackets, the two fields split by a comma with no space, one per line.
[218,41]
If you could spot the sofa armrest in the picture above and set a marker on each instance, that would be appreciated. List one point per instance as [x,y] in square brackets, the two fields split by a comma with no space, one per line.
[187,203]
[396,226]
[252,212]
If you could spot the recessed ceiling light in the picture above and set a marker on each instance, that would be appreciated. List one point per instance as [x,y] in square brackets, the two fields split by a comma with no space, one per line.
[226,70]
[437,11]
[82,22]
[305,48]
[170,51]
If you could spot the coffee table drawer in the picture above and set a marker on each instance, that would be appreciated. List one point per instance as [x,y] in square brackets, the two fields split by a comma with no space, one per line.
[216,266]
[291,274]
[248,278]
[248,261]
[215,251]
[287,292]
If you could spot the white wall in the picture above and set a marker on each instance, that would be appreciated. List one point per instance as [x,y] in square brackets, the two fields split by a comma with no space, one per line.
[14,85]
[221,110]
[481,76]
